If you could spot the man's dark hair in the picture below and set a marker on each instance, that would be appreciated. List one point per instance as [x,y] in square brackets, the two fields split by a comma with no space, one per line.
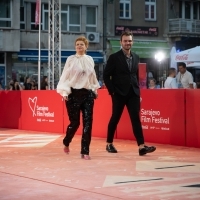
[182,64]
[172,70]
[126,33]
[21,79]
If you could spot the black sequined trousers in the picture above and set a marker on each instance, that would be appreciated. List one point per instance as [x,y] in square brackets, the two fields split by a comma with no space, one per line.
[80,100]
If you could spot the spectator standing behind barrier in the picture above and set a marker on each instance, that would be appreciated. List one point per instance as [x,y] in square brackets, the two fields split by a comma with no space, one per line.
[152,84]
[44,83]
[27,84]
[33,85]
[170,82]
[21,82]
[78,85]
[184,78]
[11,85]
[1,88]
[121,80]
[15,85]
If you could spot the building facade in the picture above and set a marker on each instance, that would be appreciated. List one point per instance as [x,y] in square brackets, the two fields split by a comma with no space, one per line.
[184,24]
[19,35]
[157,26]
[147,21]
[184,28]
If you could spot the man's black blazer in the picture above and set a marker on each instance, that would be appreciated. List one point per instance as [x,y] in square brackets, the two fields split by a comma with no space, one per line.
[117,76]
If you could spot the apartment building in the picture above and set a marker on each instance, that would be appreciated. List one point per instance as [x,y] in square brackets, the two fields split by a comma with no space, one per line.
[184,28]
[147,21]
[184,24]
[157,25]
[19,36]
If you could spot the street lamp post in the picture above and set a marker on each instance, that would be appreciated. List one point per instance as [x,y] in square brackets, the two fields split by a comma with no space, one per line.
[160,56]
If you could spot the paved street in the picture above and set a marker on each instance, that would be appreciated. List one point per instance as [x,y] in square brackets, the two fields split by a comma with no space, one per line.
[34,166]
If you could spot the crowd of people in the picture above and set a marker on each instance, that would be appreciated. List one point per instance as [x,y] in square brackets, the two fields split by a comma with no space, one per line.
[26,84]
[31,84]
[175,80]
[182,79]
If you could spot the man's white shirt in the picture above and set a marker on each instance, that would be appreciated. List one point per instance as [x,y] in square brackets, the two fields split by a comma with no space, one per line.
[185,79]
[170,83]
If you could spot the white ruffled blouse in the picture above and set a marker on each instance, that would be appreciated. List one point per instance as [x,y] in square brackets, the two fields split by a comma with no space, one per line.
[78,73]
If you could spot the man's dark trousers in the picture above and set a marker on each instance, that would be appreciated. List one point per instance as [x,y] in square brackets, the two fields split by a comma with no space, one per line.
[132,102]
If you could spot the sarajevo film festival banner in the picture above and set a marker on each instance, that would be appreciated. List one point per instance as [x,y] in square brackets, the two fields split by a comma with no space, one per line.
[102,114]
[192,118]
[162,117]
[10,111]
[42,111]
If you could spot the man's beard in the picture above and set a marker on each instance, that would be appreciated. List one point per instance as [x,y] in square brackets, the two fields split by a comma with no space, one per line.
[126,47]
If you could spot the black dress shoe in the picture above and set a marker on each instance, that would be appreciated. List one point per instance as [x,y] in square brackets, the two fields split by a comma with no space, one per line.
[110,148]
[146,150]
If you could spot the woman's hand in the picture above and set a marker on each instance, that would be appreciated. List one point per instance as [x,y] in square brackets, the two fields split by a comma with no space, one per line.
[65,98]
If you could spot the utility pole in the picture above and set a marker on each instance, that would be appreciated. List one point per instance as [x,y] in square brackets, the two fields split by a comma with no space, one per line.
[105,10]
[104,32]
[54,47]
[104,26]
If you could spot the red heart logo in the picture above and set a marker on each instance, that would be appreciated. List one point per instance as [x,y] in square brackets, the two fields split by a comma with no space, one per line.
[32,104]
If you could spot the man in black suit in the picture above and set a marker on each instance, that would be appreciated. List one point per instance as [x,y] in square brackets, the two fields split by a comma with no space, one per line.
[121,80]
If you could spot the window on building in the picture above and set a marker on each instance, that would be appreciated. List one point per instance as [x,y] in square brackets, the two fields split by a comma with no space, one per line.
[91,19]
[74,18]
[45,8]
[64,17]
[70,18]
[196,14]
[125,9]
[5,13]
[150,10]
[22,15]
[189,10]
[2,58]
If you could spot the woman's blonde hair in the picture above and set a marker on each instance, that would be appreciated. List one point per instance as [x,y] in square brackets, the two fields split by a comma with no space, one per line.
[82,38]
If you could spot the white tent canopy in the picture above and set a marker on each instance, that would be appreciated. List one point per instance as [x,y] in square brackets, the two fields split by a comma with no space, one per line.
[189,55]
[172,62]
[193,64]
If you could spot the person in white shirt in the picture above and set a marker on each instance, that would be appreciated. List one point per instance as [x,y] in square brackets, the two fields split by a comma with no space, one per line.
[78,85]
[194,85]
[184,78]
[170,82]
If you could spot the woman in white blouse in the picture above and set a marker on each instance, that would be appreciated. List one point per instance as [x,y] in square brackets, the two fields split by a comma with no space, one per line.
[78,85]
